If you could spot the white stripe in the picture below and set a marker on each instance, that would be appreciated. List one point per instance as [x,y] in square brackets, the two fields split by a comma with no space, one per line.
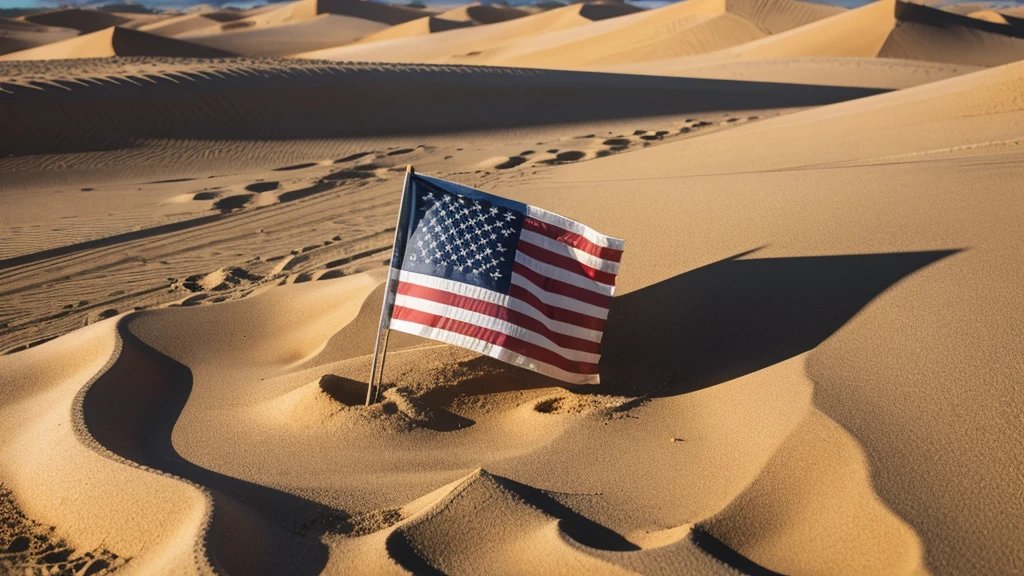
[488,349]
[566,250]
[491,323]
[470,291]
[564,275]
[460,288]
[573,226]
[552,299]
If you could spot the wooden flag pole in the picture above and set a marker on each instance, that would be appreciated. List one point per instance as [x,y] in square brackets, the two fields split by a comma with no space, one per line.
[371,390]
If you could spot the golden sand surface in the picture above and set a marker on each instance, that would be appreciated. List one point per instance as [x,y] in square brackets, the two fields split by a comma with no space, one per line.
[812,364]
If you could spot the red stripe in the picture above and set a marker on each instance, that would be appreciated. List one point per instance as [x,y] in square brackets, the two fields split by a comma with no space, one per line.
[565,263]
[548,284]
[554,312]
[497,311]
[572,239]
[516,345]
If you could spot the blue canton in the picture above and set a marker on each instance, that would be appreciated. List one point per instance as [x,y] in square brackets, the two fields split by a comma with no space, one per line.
[461,238]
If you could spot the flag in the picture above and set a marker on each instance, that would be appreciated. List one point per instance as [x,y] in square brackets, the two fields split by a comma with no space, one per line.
[502,278]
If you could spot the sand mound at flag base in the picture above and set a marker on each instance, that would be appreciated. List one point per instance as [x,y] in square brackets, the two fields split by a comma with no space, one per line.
[133,381]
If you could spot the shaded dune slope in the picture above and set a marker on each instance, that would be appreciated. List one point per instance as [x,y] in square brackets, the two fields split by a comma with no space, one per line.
[18,35]
[116,41]
[224,100]
[84,21]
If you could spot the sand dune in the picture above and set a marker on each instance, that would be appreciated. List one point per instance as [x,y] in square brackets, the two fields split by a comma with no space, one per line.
[483,13]
[319,32]
[888,73]
[116,41]
[84,21]
[686,28]
[419,27]
[368,10]
[182,24]
[461,17]
[21,35]
[793,421]
[812,364]
[349,100]
[467,45]
[919,36]
[925,33]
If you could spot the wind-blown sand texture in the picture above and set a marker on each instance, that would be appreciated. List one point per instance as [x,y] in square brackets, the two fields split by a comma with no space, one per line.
[812,364]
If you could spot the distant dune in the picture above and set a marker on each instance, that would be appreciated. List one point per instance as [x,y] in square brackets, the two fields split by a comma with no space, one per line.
[468,45]
[318,32]
[469,15]
[18,35]
[116,41]
[687,28]
[181,24]
[84,21]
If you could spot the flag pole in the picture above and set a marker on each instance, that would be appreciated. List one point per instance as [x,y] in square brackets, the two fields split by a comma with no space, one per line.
[371,390]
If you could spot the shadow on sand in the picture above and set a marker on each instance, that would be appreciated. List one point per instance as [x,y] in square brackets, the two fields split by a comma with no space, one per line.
[737,316]
[131,410]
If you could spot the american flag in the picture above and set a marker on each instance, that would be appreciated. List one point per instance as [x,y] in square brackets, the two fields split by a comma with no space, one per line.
[502,278]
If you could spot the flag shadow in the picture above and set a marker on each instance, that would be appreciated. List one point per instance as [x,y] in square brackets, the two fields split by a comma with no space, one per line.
[737,316]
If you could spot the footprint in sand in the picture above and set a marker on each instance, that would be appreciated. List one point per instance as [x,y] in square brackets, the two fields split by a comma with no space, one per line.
[263,186]
[617,144]
[232,202]
[512,162]
[206,196]
[352,157]
[295,167]
[567,156]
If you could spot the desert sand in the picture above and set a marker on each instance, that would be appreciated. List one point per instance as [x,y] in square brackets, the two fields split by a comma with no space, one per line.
[812,364]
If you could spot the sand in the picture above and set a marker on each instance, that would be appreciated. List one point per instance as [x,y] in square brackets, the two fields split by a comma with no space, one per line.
[116,41]
[319,32]
[474,45]
[811,366]
[18,35]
